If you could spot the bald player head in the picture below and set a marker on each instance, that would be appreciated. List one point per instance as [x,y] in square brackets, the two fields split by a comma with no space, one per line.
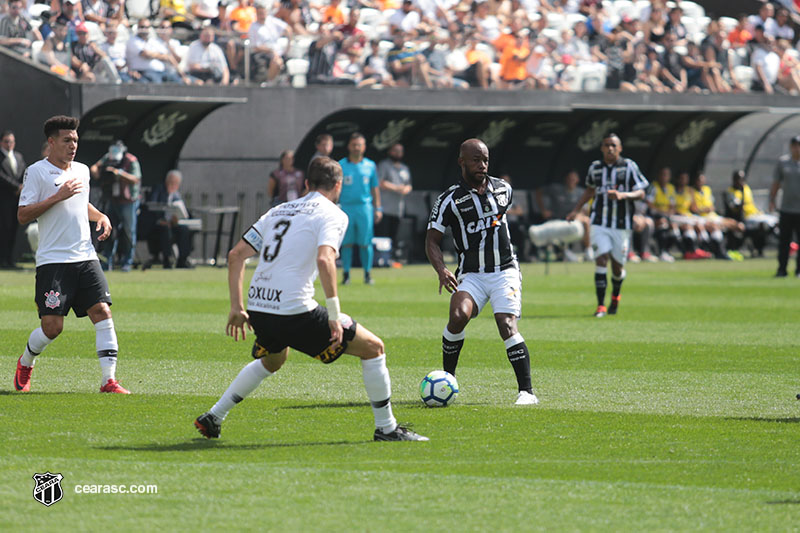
[473,158]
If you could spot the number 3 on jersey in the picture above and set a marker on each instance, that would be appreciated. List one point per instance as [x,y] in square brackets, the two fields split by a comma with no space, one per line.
[272,248]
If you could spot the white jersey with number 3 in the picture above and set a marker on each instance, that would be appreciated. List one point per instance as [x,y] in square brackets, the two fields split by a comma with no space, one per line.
[287,238]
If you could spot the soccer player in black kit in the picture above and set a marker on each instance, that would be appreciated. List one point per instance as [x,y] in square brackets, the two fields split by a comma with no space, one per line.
[487,270]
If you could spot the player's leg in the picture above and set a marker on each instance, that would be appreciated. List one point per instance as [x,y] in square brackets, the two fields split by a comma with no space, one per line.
[784,241]
[518,355]
[601,241]
[365,242]
[462,309]
[619,253]
[369,348]
[209,424]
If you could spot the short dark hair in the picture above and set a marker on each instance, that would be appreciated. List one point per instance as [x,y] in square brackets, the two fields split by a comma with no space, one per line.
[611,134]
[356,135]
[6,133]
[324,173]
[739,174]
[59,122]
[322,137]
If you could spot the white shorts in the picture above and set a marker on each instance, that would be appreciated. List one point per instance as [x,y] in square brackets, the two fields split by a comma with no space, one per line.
[503,289]
[609,240]
[687,220]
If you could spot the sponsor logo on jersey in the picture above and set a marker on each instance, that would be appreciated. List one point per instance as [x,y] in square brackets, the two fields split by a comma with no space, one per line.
[482,224]
[51,300]
[265,293]
[502,198]
[462,199]
[48,488]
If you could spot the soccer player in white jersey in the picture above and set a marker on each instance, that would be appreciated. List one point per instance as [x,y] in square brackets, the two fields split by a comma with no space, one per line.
[614,182]
[55,192]
[295,242]
[487,270]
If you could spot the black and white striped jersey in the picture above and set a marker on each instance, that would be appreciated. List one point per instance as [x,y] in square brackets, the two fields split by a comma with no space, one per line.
[624,176]
[478,222]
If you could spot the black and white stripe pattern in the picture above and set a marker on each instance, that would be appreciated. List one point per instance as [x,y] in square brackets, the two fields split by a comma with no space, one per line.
[478,221]
[624,176]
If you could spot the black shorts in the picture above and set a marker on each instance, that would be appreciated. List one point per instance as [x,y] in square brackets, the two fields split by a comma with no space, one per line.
[64,286]
[307,332]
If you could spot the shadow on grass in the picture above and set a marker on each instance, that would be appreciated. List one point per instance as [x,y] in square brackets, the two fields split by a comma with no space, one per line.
[787,420]
[783,502]
[206,444]
[11,392]
[406,403]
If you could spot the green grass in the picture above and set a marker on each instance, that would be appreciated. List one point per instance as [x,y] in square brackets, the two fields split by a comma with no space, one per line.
[677,414]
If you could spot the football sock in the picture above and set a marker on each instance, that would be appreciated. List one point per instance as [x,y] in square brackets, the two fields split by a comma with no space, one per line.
[616,283]
[520,360]
[366,253]
[600,284]
[676,238]
[379,391]
[663,239]
[347,258]
[37,342]
[689,240]
[106,344]
[718,244]
[645,237]
[451,349]
[246,382]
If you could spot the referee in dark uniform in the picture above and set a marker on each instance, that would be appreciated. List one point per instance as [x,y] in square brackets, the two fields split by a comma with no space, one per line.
[614,182]
[487,270]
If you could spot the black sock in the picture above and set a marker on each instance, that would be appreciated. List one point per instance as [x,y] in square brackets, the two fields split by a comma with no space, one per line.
[616,286]
[600,284]
[450,352]
[520,360]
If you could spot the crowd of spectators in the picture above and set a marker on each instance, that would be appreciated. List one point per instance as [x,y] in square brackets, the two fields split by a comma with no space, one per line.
[570,45]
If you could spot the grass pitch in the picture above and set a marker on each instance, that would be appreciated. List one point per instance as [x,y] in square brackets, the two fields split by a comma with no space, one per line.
[677,414]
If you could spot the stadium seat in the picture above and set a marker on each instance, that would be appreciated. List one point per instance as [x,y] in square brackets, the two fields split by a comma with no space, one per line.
[370,17]
[744,75]
[299,46]
[556,21]
[624,7]
[137,9]
[36,49]
[590,78]
[297,68]
[574,18]
[728,23]
[692,9]
[487,49]
[36,10]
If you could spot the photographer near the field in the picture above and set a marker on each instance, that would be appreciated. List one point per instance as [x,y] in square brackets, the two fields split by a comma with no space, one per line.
[120,176]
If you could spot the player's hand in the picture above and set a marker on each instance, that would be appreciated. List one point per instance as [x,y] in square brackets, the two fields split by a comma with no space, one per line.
[68,189]
[236,323]
[337,331]
[614,194]
[448,281]
[571,216]
[104,227]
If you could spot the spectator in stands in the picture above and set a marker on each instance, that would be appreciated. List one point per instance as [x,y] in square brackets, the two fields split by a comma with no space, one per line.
[477,74]
[297,14]
[575,44]
[120,177]
[324,146]
[164,44]
[676,28]
[115,14]
[556,200]
[763,18]
[714,224]
[787,177]
[86,55]
[46,27]
[209,12]
[95,11]
[740,35]
[717,60]
[264,34]
[673,74]
[654,28]
[375,66]
[332,13]
[167,230]
[513,63]
[71,15]
[765,62]
[406,19]
[407,63]
[789,69]
[780,28]
[739,205]
[175,11]
[394,178]
[115,51]
[285,183]
[206,61]
[697,69]
[56,52]
[16,32]
[487,25]
[242,17]
[146,59]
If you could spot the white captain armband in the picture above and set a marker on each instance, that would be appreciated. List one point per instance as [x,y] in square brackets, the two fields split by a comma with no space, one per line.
[332,304]
[253,238]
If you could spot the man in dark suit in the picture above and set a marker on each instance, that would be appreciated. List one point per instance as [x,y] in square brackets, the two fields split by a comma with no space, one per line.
[164,229]
[12,168]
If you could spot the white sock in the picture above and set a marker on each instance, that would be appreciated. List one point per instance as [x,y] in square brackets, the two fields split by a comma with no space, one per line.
[452,337]
[106,344]
[601,270]
[37,342]
[246,382]
[379,391]
[621,277]
[716,235]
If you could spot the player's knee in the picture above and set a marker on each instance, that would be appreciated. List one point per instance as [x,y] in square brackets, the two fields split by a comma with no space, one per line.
[52,329]
[375,346]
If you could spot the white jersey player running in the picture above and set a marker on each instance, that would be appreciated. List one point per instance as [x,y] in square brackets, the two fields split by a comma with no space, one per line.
[296,241]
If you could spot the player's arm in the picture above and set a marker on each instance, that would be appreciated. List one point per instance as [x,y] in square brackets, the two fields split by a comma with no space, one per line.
[588,194]
[238,316]
[614,194]
[103,223]
[433,249]
[774,188]
[30,212]
[326,265]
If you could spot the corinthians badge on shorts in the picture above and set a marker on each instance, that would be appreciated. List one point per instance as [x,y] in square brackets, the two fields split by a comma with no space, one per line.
[48,488]
[51,299]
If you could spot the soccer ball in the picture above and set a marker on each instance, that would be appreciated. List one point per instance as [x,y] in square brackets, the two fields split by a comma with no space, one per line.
[438,389]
